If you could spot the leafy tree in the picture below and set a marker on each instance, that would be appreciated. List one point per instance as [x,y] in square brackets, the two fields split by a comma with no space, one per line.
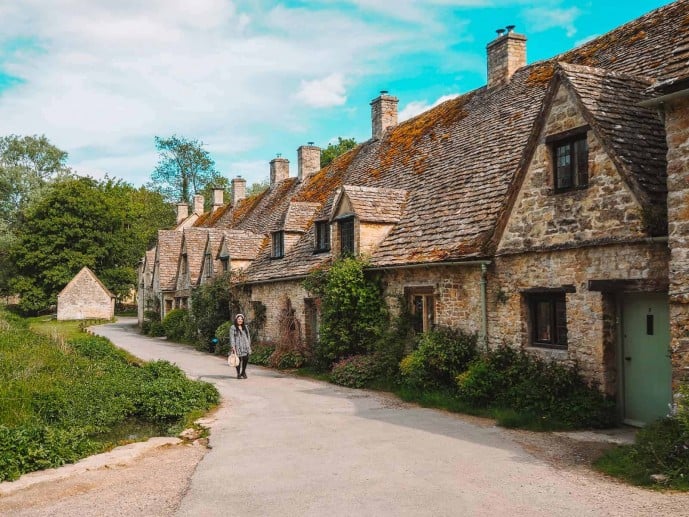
[184,168]
[334,150]
[78,222]
[257,187]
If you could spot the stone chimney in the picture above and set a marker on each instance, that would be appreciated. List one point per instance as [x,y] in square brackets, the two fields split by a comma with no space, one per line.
[279,170]
[218,198]
[198,204]
[182,212]
[506,54]
[308,160]
[383,113]
[238,190]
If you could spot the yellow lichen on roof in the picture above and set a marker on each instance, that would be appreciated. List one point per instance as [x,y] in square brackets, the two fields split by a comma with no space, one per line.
[541,74]
[322,184]
[246,205]
[401,141]
[202,219]
[215,216]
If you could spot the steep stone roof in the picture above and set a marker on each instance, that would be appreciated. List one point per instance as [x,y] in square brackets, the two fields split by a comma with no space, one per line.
[459,161]
[634,135]
[194,244]
[168,250]
[298,216]
[376,205]
[240,244]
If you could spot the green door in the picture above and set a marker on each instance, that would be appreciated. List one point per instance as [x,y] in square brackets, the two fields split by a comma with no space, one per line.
[647,370]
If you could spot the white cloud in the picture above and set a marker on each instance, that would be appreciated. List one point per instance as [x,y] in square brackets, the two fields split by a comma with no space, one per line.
[544,18]
[416,107]
[323,93]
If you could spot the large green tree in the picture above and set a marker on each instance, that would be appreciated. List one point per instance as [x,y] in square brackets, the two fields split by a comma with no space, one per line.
[336,149]
[105,225]
[27,165]
[184,168]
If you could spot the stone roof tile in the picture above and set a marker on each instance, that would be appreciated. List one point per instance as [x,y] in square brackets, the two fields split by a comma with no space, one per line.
[378,205]
[169,247]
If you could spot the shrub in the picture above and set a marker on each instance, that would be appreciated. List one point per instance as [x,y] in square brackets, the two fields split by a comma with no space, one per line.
[287,360]
[555,394]
[441,356]
[356,372]
[354,314]
[222,334]
[260,353]
[167,399]
[210,305]
[178,326]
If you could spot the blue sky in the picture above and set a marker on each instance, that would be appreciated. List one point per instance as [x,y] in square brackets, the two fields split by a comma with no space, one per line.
[252,78]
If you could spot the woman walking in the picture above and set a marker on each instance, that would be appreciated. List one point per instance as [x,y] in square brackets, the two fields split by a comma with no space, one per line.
[240,342]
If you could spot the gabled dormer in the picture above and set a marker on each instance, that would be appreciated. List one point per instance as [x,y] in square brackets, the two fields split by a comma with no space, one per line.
[362,217]
[190,259]
[298,217]
[238,249]
[596,170]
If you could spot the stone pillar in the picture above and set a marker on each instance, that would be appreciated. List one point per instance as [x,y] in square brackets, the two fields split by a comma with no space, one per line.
[677,131]
[279,170]
[238,190]
[308,160]
[506,54]
[198,204]
[383,113]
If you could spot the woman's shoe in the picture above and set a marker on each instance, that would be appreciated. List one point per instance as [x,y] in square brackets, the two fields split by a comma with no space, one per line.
[244,376]
[239,376]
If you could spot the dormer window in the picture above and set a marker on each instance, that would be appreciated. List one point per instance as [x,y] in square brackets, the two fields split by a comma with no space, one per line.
[570,159]
[209,265]
[322,236]
[183,264]
[346,229]
[278,245]
[225,261]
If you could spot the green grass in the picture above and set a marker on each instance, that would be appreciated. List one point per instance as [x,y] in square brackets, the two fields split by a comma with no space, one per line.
[48,326]
[65,395]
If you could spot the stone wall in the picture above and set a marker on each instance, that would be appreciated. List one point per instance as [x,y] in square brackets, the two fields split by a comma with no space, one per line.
[591,316]
[677,127]
[274,295]
[540,218]
[84,298]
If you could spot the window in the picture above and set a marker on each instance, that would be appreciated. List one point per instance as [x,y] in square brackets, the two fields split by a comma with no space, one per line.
[346,227]
[422,307]
[225,263]
[548,319]
[322,236]
[570,159]
[278,244]
[209,265]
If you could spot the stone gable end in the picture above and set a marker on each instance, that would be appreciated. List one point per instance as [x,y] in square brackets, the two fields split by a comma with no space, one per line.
[85,298]
[542,219]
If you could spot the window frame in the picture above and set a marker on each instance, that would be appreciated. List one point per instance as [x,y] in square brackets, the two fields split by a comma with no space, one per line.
[349,223]
[277,250]
[556,301]
[322,236]
[208,265]
[575,141]
[427,295]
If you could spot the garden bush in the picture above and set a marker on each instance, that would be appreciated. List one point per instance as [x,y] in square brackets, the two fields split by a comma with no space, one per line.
[179,326]
[442,354]
[288,360]
[261,353]
[554,394]
[357,371]
[222,334]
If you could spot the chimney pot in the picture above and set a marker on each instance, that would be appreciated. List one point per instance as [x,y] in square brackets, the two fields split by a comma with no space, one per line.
[308,160]
[198,204]
[182,212]
[383,113]
[506,54]
[279,170]
[238,190]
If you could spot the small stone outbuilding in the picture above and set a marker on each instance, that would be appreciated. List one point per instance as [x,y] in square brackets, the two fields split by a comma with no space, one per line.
[85,297]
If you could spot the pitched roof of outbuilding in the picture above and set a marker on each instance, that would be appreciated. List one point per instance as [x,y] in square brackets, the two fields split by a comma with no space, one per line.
[85,271]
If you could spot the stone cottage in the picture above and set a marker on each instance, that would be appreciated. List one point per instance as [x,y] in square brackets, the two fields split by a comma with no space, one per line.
[85,297]
[545,210]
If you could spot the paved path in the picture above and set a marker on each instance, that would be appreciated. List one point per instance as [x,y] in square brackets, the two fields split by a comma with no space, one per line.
[287,446]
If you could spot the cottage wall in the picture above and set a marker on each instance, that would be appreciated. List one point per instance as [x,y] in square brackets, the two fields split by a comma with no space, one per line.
[84,298]
[457,292]
[274,296]
[591,316]
[677,127]
[606,209]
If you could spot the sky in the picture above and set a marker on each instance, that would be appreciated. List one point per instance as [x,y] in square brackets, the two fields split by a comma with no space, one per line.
[252,79]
